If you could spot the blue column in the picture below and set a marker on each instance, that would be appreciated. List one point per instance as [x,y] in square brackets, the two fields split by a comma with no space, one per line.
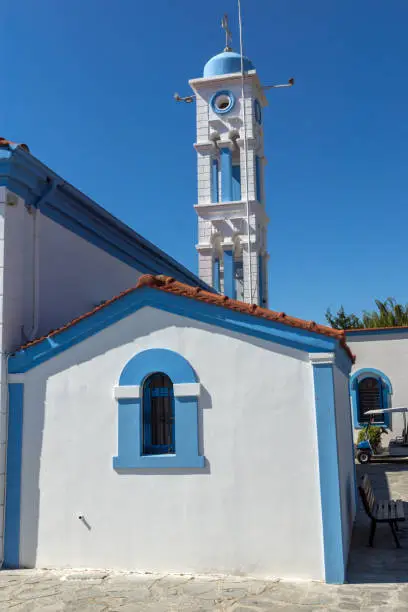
[260,280]
[214,180]
[13,488]
[236,183]
[334,562]
[216,274]
[226,175]
[229,281]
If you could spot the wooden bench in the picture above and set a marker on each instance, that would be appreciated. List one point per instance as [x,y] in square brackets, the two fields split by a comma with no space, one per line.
[387,511]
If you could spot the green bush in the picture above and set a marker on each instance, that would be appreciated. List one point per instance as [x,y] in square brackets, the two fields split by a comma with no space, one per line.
[374,436]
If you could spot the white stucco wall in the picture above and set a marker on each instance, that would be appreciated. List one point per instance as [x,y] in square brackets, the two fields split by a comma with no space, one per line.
[75,275]
[71,275]
[389,354]
[345,452]
[254,509]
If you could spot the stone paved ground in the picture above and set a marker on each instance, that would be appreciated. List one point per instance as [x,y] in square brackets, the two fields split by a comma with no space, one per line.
[378,580]
[50,591]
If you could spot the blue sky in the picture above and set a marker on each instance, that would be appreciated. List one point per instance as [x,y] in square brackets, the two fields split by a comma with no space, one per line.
[88,86]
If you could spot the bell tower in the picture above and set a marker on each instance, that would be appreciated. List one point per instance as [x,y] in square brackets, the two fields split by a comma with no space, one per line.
[232,222]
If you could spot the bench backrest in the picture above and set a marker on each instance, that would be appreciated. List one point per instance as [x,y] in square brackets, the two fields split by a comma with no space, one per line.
[367,495]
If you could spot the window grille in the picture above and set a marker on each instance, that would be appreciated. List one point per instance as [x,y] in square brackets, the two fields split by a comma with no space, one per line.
[158,415]
[370,397]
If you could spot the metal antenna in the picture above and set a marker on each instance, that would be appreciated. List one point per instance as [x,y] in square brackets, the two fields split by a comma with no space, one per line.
[245,152]
[290,83]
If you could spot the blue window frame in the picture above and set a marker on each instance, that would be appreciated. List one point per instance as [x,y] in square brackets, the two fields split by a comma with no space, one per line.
[158,415]
[370,389]
[158,421]
[222,101]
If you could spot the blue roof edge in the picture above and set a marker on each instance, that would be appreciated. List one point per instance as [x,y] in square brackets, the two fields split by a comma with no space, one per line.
[375,331]
[41,187]
[304,340]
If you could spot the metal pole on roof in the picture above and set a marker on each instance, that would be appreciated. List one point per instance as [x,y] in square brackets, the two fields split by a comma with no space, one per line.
[241,48]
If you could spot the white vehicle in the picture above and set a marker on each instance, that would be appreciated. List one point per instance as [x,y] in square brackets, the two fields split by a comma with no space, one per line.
[398,447]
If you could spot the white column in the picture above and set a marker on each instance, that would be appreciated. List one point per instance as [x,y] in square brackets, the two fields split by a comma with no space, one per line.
[254,299]
[205,266]
[204,177]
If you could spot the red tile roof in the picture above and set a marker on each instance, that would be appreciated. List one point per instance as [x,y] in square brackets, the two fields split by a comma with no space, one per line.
[9,143]
[170,285]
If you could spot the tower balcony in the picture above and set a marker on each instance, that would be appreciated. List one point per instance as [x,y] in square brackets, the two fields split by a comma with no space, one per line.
[232,210]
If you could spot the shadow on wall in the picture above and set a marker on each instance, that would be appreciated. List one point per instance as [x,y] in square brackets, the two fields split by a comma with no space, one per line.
[31,462]
[383,563]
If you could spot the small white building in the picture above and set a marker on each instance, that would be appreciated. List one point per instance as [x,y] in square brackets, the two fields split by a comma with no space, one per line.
[378,378]
[174,430]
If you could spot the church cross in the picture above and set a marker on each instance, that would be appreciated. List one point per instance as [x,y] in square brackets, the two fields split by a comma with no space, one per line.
[228,35]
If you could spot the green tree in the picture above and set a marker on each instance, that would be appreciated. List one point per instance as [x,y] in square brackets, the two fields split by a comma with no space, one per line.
[388,314]
[341,320]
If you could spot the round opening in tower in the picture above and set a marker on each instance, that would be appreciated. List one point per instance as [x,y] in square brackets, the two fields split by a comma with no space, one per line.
[222,101]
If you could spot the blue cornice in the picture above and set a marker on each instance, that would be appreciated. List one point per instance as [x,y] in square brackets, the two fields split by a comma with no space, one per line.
[380,331]
[257,327]
[26,176]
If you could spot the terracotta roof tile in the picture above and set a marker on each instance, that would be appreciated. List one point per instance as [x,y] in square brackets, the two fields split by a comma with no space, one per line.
[170,285]
[9,143]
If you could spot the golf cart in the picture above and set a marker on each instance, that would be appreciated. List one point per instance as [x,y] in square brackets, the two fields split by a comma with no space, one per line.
[398,446]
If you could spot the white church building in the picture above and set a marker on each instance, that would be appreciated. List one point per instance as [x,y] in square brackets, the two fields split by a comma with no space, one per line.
[152,420]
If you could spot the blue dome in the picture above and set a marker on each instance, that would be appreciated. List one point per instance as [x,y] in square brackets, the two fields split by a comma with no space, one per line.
[226,62]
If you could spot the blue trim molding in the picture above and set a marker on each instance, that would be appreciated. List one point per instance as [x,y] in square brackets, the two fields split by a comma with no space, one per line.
[386,389]
[334,557]
[13,483]
[239,322]
[380,331]
[130,425]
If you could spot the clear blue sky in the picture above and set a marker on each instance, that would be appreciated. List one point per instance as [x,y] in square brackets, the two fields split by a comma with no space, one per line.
[88,85]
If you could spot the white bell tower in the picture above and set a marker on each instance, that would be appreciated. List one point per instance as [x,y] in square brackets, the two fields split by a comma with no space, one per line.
[231,162]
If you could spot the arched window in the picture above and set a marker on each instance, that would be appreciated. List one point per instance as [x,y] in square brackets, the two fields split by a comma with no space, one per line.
[158,420]
[158,415]
[370,397]
[370,389]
